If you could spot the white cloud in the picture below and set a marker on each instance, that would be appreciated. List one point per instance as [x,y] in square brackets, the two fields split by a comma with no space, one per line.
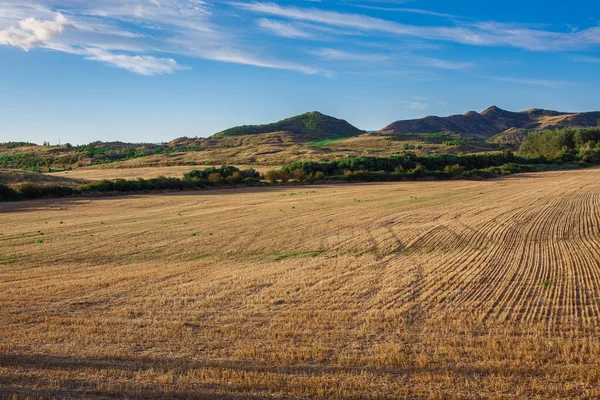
[341,55]
[179,27]
[478,34]
[409,10]
[147,36]
[407,59]
[32,32]
[441,64]
[414,105]
[282,29]
[239,57]
[534,82]
[143,65]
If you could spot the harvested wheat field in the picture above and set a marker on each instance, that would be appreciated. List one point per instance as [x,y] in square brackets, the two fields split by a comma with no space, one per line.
[460,289]
[106,172]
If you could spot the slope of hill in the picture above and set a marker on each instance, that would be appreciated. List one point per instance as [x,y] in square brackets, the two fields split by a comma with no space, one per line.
[14,177]
[309,126]
[494,121]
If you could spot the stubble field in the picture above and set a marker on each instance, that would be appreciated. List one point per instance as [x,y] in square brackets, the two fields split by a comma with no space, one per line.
[459,289]
[106,172]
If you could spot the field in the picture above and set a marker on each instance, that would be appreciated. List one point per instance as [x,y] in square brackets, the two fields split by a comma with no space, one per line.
[455,289]
[106,172]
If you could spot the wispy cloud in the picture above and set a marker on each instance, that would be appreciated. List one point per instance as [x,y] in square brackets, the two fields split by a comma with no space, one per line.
[441,64]
[96,31]
[414,105]
[341,55]
[148,36]
[477,34]
[240,57]
[143,65]
[282,29]
[534,82]
[408,10]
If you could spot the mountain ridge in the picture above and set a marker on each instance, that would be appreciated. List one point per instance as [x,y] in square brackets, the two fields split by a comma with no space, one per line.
[494,121]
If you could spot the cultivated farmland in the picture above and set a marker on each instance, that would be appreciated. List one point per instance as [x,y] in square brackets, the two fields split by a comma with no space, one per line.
[98,173]
[455,289]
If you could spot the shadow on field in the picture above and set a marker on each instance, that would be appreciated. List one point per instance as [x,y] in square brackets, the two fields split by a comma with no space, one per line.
[55,376]
[82,378]
[52,204]
[56,203]
[40,376]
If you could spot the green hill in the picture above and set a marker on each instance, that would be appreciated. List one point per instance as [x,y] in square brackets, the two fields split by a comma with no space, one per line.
[309,126]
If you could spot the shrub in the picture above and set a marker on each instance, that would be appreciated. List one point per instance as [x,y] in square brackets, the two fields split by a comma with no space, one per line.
[417,171]
[272,176]
[319,175]
[252,181]
[34,191]
[453,170]
[250,173]
[277,175]
[512,168]
[236,177]
[215,178]
[299,175]
[7,193]
[284,176]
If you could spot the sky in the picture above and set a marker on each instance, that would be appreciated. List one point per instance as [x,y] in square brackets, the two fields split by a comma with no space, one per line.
[153,70]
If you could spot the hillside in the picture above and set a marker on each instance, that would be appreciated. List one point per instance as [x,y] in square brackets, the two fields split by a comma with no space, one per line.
[14,177]
[308,126]
[494,121]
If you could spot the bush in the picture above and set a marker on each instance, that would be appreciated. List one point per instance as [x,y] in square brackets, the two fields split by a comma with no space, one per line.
[235,178]
[299,175]
[512,168]
[274,176]
[7,193]
[453,170]
[34,191]
[417,171]
[225,171]
[284,176]
[252,181]
[215,178]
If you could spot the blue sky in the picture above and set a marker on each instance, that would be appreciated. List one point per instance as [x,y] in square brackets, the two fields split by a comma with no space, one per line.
[154,70]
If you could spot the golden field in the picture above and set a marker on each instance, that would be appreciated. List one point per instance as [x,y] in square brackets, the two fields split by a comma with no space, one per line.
[458,289]
[108,172]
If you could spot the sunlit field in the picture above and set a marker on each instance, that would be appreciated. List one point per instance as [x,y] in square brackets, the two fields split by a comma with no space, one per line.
[454,289]
[107,172]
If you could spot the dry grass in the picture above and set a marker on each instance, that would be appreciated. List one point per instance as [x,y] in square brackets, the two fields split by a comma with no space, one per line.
[407,290]
[276,149]
[13,177]
[266,151]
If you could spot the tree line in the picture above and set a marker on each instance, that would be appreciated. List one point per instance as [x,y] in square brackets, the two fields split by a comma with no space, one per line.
[570,144]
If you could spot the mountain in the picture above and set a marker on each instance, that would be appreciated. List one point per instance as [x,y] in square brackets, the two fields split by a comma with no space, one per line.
[494,121]
[308,126]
